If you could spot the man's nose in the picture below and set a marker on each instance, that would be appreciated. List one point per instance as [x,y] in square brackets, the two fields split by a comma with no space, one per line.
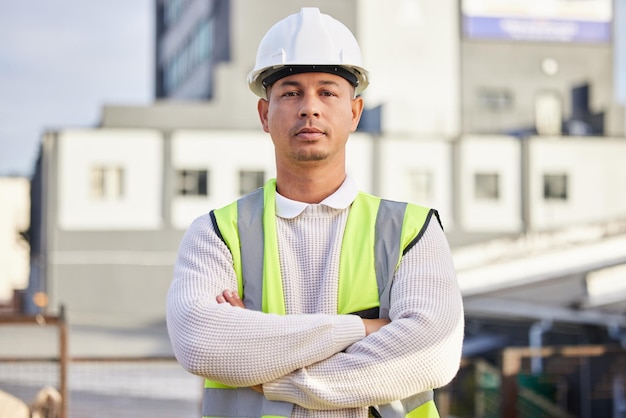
[309,106]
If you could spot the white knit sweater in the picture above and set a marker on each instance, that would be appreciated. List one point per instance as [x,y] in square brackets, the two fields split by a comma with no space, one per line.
[312,357]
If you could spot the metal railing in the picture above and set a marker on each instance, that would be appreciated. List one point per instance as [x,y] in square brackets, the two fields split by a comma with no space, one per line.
[58,362]
[94,387]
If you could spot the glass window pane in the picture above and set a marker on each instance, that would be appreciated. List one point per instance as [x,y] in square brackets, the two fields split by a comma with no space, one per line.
[420,186]
[486,186]
[192,183]
[250,181]
[555,186]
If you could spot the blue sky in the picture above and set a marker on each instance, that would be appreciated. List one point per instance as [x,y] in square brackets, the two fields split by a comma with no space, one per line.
[61,61]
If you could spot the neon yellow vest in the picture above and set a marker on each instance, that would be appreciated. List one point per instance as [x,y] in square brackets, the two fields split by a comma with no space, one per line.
[378,232]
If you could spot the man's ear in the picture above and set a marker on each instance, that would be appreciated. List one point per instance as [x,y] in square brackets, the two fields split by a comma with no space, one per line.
[263,107]
[357,110]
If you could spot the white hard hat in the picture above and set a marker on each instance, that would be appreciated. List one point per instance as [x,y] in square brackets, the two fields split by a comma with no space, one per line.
[308,41]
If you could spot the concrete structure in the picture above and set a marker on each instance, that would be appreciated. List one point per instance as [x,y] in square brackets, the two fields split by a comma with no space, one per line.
[14,221]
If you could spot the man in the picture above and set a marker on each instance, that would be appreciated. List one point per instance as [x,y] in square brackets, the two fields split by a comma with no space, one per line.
[350,303]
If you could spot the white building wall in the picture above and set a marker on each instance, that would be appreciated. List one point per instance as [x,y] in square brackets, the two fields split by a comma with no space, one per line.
[498,155]
[418,171]
[14,251]
[359,154]
[223,154]
[596,180]
[139,155]
[411,49]
[619,45]
[594,168]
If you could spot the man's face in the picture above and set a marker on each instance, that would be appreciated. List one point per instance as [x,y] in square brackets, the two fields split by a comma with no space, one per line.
[309,117]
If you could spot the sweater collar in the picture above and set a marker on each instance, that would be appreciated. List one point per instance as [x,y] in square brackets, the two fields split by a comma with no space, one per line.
[340,199]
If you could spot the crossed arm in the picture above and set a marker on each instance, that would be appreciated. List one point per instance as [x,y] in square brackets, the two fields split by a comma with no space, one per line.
[232,297]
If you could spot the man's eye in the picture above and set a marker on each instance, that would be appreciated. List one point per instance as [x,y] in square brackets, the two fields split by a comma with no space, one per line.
[291,93]
[328,93]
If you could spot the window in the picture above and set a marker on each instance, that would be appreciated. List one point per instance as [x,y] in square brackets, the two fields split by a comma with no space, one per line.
[495,100]
[548,113]
[555,186]
[107,182]
[192,183]
[250,181]
[420,185]
[203,41]
[174,9]
[486,186]
[197,49]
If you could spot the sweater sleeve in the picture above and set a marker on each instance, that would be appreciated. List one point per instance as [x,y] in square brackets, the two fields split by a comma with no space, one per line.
[235,346]
[419,350]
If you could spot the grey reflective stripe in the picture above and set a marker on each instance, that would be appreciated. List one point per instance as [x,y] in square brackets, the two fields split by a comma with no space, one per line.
[399,409]
[387,249]
[241,402]
[417,400]
[245,402]
[389,221]
[251,238]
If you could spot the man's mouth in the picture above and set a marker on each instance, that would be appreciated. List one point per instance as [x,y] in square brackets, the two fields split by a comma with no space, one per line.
[309,133]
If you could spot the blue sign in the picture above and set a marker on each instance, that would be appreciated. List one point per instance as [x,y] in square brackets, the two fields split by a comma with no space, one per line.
[542,30]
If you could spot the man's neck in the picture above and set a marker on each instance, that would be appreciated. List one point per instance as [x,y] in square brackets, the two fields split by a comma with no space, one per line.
[309,186]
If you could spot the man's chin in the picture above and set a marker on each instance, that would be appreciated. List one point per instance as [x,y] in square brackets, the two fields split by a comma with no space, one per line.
[310,156]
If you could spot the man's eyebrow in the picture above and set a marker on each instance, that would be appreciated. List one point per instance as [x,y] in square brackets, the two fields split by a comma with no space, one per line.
[329,82]
[294,83]
[288,83]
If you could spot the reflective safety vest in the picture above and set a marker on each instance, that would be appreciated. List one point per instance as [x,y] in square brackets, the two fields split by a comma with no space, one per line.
[248,228]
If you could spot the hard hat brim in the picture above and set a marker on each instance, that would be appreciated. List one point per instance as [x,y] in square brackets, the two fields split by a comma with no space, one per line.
[260,80]
[272,77]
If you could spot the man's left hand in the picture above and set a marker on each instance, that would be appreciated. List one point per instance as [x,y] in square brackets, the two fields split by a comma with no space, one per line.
[231,297]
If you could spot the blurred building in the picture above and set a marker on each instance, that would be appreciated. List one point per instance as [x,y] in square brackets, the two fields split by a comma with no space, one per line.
[504,119]
[14,221]
[543,67]
[192,39]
